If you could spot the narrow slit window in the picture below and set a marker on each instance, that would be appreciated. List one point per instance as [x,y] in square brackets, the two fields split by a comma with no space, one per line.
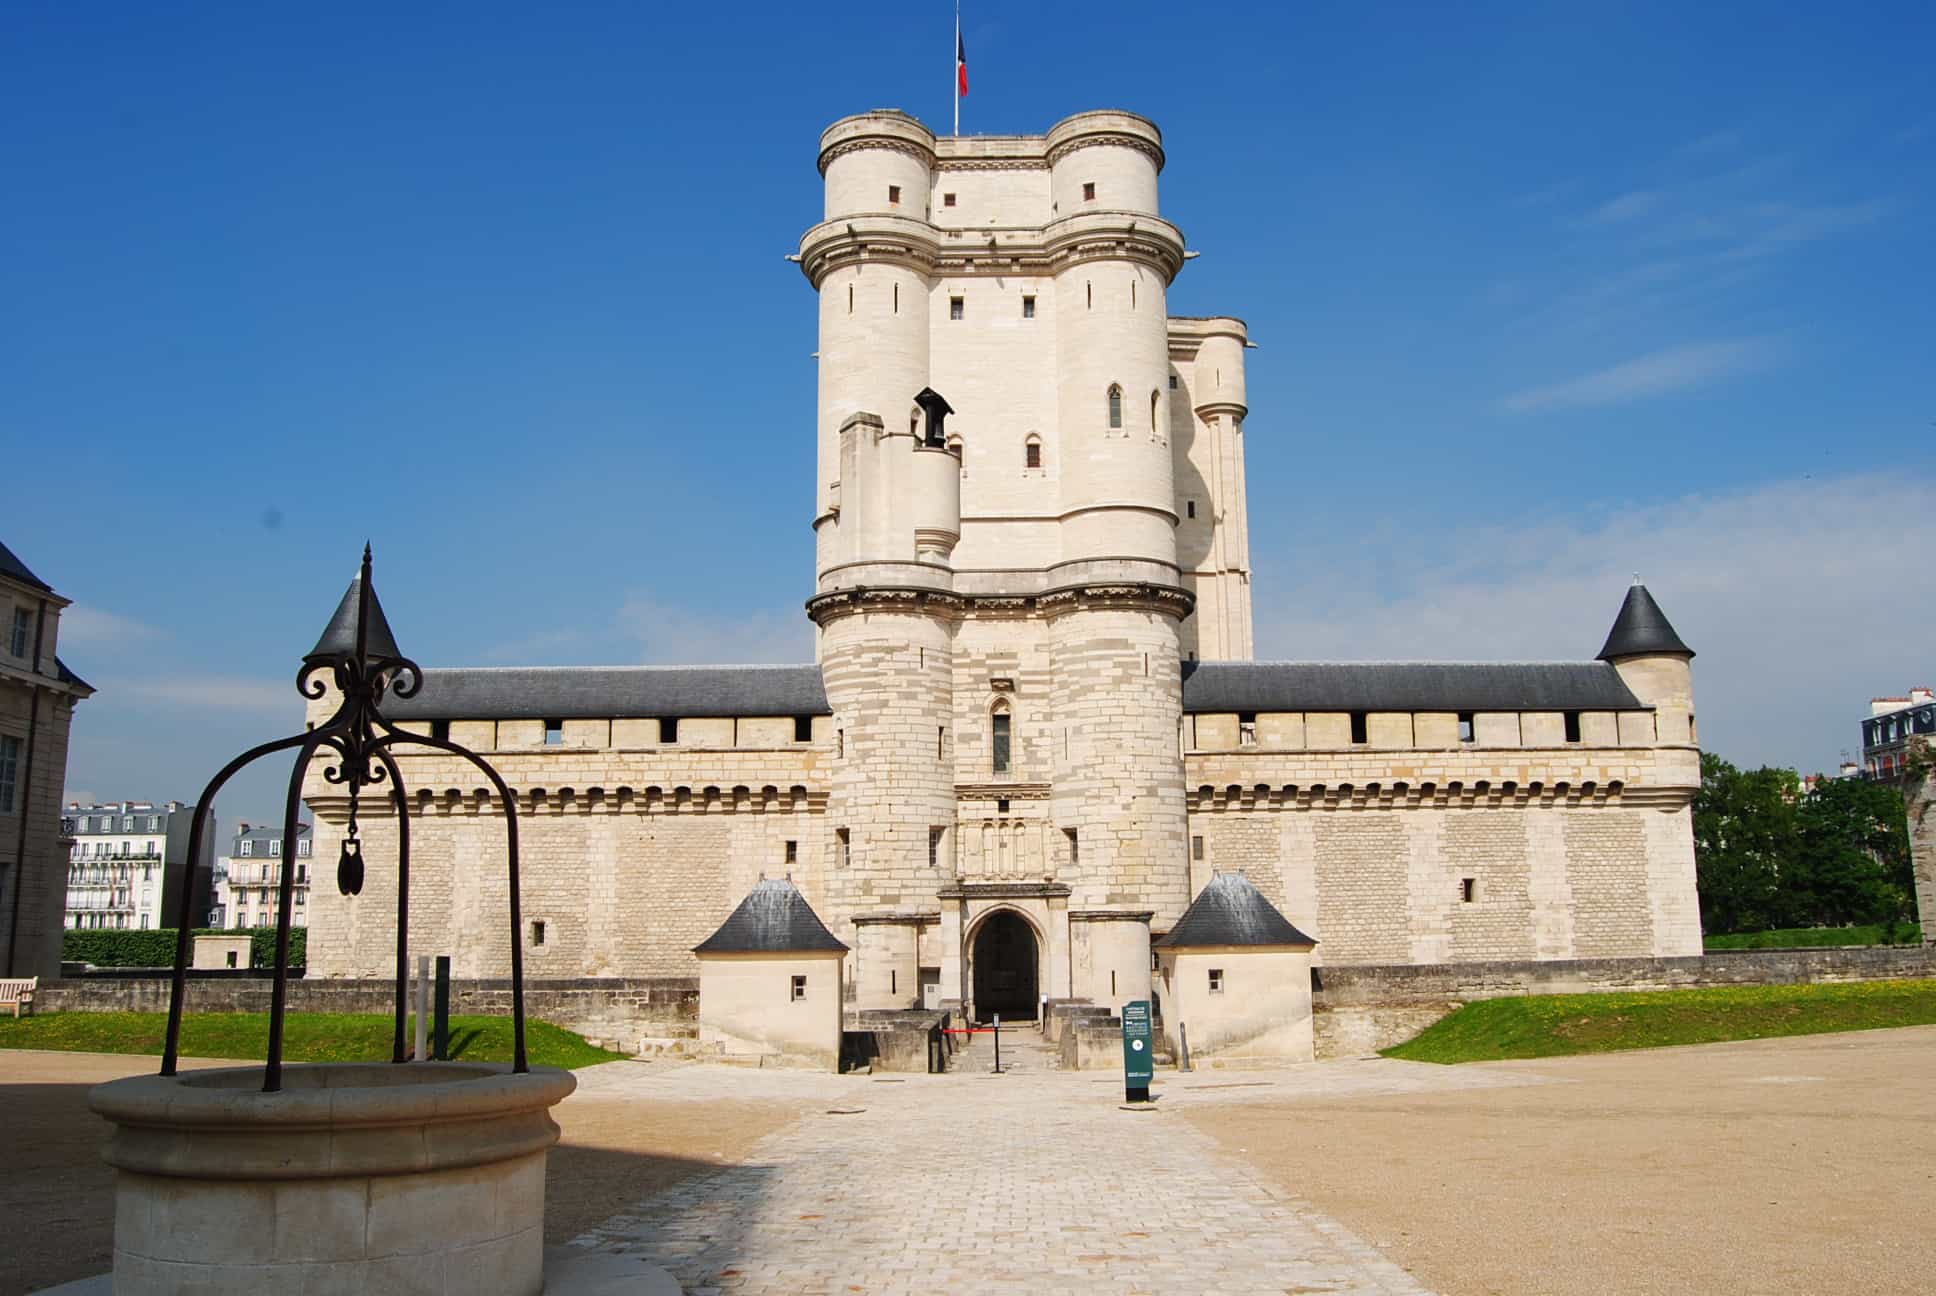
[843,848]
[934,848]
[1075,846]
[1360,726]
[1000,727]
[1089,294]
[850,299]
[955,308]
[668,729]
[1172,382]
[1115,406]
[897,299]
[1153,401]
[1032,455]
[792,852]
[1196,847]
[798,990]
[1132,294]
[1028,307]
[1468,890]
[1189,508]
[1465,727]
[1572,721]
[537,933]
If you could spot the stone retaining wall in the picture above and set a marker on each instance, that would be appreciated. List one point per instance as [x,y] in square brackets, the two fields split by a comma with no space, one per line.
[620,1010]
[1359,1010]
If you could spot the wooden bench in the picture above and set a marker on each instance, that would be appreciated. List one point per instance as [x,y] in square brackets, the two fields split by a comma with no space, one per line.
[18,992]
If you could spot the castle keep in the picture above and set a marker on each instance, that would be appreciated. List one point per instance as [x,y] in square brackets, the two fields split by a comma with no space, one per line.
[1035,731]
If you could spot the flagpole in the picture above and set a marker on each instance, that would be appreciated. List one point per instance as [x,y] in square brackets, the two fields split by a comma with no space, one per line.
[957,68]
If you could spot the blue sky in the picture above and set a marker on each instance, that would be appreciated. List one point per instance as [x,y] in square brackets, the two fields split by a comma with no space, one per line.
[1543,295]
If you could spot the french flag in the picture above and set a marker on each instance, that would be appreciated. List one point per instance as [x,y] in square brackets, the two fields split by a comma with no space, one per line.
[961,65]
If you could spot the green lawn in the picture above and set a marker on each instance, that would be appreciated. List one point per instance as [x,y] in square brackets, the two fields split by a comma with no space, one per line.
[1556,1025]
[1907,933]
[307,1037]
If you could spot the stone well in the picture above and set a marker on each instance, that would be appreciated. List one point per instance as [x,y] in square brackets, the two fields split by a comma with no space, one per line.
[356,1177]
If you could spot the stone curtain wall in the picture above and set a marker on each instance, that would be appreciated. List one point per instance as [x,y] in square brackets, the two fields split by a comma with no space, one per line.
[1383,886]
[1573,852]
[1364,907]
[1606,860]
[621,891]
[1492,848]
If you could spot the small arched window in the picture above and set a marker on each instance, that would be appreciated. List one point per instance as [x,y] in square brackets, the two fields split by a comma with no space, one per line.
[1000,725]
[1154,427]
[1115,406]
[1032,452]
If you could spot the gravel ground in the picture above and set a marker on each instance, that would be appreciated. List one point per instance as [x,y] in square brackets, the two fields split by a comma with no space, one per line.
[57,1198]
[1793,1165]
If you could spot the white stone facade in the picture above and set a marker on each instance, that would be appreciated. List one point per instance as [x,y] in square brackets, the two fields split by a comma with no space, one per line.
[1013,610]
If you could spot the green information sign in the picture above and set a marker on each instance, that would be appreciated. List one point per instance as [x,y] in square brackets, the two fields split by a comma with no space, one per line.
[1139,1052]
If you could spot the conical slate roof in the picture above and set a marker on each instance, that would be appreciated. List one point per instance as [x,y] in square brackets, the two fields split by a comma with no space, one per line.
[1641,628]
[339,636]
[774,919]
[1230,911]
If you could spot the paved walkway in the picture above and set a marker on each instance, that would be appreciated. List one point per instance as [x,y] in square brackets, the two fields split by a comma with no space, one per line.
[981,1183]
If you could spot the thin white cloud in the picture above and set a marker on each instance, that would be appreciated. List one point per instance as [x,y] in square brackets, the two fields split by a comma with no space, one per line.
[1795,622]
[1721,141]
[91,627]
[1628,206]
[1780,226]
[1656,374]
[667,634]
[226,693]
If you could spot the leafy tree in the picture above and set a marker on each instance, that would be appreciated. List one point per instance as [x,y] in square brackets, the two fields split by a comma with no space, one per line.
[1768,856]
[1744,829]
[1851,857]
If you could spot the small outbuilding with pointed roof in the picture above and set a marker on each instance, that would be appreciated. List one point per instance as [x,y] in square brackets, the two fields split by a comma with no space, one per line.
[770,981]
[1235,975]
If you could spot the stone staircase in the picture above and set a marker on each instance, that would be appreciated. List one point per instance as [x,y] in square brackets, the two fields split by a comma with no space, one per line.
[1024,1052]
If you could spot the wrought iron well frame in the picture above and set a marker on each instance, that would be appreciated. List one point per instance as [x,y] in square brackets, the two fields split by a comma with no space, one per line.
[361,659]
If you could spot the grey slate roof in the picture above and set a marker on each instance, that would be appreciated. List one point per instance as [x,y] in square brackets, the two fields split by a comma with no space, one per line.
[597,692]
[1641,627]
[1230,911]
[1405,686]
[774,919]
[12,566]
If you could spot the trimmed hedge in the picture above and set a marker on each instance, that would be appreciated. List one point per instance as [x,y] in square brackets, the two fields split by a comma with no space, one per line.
[156,948]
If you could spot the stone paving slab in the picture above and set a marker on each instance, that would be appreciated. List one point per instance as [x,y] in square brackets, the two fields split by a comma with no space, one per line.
[982,1183]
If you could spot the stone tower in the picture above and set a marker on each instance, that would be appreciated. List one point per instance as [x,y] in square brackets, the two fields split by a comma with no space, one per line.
[1027,475]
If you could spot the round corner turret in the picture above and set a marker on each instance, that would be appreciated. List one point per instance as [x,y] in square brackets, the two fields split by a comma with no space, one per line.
[877,162]
[1104,161]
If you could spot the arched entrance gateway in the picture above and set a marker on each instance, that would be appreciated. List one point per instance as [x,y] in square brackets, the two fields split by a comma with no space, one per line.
[1005,960]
